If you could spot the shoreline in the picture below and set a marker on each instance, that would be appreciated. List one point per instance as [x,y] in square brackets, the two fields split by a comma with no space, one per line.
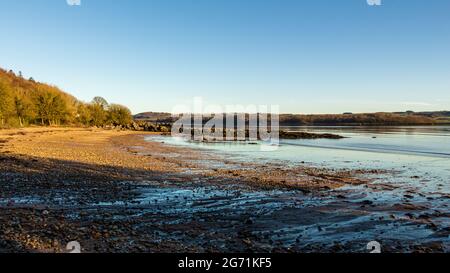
[128,149]
[109,188]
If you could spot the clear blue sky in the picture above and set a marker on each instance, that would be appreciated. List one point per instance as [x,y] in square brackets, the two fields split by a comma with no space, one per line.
[315,56]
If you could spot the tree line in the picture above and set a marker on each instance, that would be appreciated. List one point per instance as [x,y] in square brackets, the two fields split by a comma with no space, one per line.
[348,119]
[370,119]
[25,102]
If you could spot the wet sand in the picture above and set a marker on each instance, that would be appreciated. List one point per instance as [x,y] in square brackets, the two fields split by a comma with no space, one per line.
[114,192]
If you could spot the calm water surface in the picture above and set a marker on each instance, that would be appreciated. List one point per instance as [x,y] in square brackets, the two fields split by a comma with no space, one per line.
[410,150]
[418,163]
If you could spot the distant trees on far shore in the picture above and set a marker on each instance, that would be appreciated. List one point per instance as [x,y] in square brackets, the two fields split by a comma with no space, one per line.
[370,119]
[27,102]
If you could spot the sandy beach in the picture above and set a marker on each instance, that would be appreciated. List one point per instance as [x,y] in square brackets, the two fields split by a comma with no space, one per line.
[112,191]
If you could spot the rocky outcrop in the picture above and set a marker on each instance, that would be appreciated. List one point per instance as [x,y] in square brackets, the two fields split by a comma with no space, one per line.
[305,135]
[144,126]
[282,135]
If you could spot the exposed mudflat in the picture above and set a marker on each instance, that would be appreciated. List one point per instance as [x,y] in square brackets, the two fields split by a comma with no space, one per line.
[114,192]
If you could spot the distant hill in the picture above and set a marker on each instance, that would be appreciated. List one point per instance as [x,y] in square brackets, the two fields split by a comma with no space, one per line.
[435,114]
[347,119]
[440,117]
[154,117]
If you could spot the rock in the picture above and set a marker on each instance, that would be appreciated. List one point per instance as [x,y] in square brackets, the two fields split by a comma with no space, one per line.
[135,126]
[163,129]
[409,215]
[305,135]
[249,221]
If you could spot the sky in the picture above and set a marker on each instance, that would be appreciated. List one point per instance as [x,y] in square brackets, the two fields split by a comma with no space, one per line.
[307,56]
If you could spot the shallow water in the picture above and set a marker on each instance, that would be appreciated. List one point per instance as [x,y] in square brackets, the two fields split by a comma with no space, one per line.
[422,152]
[287,219]
[418,163]
[404,209]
